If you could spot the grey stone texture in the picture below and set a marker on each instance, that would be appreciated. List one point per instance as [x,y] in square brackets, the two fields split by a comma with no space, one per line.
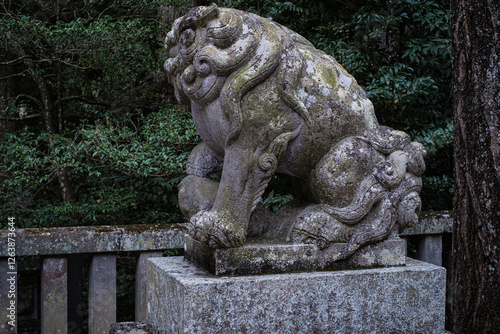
[432,222]
[430,249]
[102,293]
[185,299]
[265,101]
[54,315]
[94,239]
[132,327]
[141,283]
[261,257]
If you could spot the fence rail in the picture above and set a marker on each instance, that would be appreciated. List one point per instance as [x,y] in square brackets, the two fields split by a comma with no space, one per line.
[58,246]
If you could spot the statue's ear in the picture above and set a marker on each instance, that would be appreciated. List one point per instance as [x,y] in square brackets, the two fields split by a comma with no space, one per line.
[199,16]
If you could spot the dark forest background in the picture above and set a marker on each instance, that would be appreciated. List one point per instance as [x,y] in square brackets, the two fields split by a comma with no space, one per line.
[90,132]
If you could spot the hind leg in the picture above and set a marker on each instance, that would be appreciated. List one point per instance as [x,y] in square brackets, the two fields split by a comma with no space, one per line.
[365,191]
[351,198]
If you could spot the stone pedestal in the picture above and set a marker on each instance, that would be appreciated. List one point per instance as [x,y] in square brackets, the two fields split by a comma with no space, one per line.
[406,299]
[258,257]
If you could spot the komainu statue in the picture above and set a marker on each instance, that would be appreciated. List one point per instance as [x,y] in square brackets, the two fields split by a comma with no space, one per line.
[265,101]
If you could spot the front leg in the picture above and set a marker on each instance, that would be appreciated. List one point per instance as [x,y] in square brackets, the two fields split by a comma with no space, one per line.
[245,174]
[203,161]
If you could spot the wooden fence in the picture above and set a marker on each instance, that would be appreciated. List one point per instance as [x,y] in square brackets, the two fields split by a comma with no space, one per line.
[59,248]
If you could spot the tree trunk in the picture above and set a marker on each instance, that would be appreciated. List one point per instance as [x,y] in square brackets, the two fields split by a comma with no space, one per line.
[48,112]
[476,104]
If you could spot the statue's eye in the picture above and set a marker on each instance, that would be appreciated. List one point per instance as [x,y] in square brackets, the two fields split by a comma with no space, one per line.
[188,37]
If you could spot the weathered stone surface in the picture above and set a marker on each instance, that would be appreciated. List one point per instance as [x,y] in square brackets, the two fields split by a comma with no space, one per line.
[54,296]
[94,239]
[263,257]
[265,101]
[102,293]
[432,223]
[135,327]
[185,299]
[141,283]
[430,249]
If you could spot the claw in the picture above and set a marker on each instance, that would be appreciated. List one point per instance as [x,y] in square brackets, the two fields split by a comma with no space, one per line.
[215,230]
[218,239]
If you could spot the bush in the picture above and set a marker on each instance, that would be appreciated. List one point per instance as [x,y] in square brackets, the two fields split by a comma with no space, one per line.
[87,133]
[124,171]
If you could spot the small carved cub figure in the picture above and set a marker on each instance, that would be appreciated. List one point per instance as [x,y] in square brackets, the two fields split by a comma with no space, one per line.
[265,101]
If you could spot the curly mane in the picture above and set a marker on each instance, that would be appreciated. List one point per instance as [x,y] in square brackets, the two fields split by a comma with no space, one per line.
[228,53]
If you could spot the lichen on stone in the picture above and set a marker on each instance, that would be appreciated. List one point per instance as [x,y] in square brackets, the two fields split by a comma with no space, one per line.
[265,101]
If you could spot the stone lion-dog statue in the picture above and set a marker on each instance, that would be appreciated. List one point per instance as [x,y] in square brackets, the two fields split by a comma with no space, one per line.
[265,101]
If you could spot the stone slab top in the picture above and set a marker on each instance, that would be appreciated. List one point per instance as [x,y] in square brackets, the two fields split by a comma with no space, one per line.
[189,274]
[92,239]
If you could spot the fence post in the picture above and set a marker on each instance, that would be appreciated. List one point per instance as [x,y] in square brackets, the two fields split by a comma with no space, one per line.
[5,300]
[141,284]
[430,249]
[54,295]
[102,293]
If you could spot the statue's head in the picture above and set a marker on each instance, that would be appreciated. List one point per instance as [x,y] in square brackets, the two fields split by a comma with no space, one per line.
[223,53]
[205,46]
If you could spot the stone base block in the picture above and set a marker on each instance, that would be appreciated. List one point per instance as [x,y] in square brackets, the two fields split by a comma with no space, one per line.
[185,299]
[132,327]
[260,257]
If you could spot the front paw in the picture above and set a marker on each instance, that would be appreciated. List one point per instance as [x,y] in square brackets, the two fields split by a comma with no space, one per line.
[216,230]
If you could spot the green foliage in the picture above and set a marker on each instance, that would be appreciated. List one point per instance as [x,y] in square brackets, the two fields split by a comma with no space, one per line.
[105,61]
[124,171]
[84,95]
[301,16]
[437,192]
[400,51]
[151,146]
[275,201]
[434,138]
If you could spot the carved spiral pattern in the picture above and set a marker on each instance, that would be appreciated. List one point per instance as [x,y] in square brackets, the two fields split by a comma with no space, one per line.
[267,161]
